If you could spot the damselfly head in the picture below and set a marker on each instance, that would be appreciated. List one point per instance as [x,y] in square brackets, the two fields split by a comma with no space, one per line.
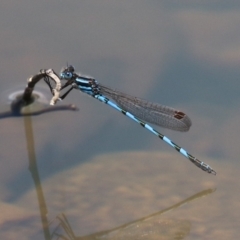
[67,72]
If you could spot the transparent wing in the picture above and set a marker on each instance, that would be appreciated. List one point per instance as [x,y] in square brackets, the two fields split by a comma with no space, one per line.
[154,113]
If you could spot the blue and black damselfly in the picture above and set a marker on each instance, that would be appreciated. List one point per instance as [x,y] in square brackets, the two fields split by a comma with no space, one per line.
[139,110]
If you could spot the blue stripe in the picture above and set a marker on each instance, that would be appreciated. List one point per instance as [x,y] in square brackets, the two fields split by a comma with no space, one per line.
[82,80]
[84,88]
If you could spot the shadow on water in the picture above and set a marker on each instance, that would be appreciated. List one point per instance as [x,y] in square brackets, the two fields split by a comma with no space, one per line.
[150,227]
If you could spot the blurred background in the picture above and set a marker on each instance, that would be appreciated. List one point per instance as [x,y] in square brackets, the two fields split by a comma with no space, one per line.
[184,54]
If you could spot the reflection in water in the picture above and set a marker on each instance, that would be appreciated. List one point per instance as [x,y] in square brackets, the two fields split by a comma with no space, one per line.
[36,179]
[27,104]
[20,108]
[150,227]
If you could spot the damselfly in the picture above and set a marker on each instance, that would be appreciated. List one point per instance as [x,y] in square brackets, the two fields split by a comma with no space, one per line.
[139,110]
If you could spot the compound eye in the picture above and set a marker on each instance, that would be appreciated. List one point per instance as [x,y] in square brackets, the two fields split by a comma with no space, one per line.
[66,75]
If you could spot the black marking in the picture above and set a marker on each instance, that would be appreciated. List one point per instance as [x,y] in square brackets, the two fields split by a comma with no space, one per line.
[191,158]
[176,147]
[123,112]
[179,115]
[160,135]
[82,84]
